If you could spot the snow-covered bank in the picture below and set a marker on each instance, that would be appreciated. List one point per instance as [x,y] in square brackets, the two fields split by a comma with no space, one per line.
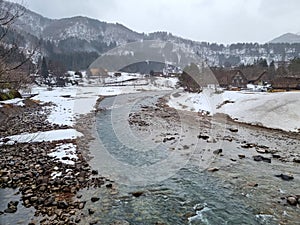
[47,136]
[69,102]
[272,110]
[16,102]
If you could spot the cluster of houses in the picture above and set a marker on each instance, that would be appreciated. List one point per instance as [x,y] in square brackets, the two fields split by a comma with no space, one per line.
[259,81]
[234,79]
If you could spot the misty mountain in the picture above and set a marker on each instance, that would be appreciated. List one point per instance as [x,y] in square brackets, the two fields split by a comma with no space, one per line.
[76,42]
[287,38]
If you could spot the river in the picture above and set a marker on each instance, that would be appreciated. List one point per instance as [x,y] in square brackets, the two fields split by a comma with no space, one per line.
[149,189]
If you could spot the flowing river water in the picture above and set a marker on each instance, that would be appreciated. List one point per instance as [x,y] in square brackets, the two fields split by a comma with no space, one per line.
[188,194]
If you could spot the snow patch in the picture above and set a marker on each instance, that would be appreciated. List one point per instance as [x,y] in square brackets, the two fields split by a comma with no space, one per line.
[47,136]
[63,151]
[15,101]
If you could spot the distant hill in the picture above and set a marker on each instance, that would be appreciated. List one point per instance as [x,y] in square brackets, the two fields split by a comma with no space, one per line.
[77,41]
[287,38]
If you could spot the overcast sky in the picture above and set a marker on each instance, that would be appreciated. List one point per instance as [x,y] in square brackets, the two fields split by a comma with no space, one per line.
[222,21]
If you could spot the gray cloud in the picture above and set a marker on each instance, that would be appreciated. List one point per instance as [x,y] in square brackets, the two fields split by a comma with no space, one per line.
[220,21]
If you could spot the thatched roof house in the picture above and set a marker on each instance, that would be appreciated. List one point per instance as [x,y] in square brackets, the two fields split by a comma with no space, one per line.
[230,78]
[286,83]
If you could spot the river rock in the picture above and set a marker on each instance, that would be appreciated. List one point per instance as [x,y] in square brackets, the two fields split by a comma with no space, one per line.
[199,207]
[248,145]
[49,201]
[285,177]
[11,210]
[62,205]
[95,199]
[95,172]
[262,151]
[296,160]
[108,186]
[203,136]
[218,151]
[185,147]
[81,205]
[234,130]
[252,184]
[33,199]
[11,207]
[77,219]
[137,193]
[276,156]
[12,204]
[168,139]
[241,156]
[213,169]
[292,200]
[259,158]
[5,179]
[91,211]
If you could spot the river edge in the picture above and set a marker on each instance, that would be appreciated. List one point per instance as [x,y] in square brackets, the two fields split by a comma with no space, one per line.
[38,188]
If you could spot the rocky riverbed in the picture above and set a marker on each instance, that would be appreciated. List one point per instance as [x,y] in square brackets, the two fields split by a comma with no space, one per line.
[42,181]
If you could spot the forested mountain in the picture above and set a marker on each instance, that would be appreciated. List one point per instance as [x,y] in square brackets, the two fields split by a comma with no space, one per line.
[78,41]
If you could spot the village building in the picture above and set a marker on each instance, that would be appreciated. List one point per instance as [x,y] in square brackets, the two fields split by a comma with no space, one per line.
[286,82]
[230,78]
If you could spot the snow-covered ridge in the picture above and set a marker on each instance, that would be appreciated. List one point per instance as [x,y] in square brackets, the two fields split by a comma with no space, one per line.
[89,30]
[287,38]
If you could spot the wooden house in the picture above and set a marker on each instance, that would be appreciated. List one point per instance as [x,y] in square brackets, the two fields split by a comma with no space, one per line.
[286,83]
[230,78]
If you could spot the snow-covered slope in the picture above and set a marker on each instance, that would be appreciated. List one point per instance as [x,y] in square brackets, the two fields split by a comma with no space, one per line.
[272,110]
[88,29]
[287,38]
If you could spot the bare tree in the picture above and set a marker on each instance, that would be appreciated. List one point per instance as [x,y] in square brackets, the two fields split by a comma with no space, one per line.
[13,62]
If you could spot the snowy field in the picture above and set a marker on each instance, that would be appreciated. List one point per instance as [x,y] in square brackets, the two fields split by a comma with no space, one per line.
[272,110]
[70,102]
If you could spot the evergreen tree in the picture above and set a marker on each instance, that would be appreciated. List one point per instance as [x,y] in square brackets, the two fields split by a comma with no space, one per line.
[294,66]
[262,63]
[272,71]
[44,69]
